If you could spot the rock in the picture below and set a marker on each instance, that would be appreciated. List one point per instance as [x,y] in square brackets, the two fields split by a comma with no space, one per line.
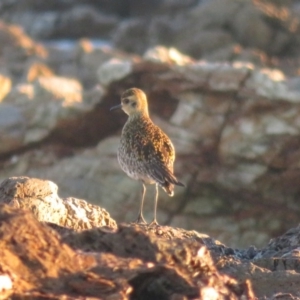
[204,41]
[187,31]
[36,70]
[17,48]
[228,78]
[48,103]
[195,27]
[270,269]
[166,268]
[272,84]
[161,54]
[132,36]
[141,257]
[89,59]
[62,89]
[114,70]
[12,128]
[249,23]
[281,253]
[234,125]
[39,25]
[63,20]
[84,20]
[40,196]
[228,164]
[18,42]
[5,84]
[159,238]
[33,253]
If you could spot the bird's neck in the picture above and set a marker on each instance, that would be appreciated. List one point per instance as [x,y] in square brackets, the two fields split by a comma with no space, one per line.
[139,115]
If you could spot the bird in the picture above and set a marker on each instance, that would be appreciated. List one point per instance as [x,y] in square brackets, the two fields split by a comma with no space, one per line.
[145,152]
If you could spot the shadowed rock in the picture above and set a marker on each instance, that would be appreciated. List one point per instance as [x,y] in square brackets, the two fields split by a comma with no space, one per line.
[42,264]
[131,261]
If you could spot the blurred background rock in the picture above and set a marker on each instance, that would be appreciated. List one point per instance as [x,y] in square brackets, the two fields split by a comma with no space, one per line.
[223,81]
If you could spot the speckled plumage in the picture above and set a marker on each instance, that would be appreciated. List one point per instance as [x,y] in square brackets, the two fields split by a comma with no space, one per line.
[145,153]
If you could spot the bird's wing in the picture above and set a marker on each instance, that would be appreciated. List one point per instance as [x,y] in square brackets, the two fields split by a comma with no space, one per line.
[162,174]
[158,156]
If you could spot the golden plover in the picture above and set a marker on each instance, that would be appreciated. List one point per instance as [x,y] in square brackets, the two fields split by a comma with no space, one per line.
[145,153]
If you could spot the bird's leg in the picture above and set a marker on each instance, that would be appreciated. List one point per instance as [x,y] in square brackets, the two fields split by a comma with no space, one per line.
[140,219]
[154,222]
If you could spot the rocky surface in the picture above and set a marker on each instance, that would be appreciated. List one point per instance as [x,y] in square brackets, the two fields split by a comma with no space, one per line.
[225,149]
[42,260]
[40,196]
[225,30]
[235,130]
[233,117]
[235,125]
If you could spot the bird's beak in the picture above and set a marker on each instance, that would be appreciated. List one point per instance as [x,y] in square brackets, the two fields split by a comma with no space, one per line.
[116,107]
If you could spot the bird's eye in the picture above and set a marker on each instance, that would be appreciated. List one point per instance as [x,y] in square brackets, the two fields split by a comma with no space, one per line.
[133,104]
[126,101]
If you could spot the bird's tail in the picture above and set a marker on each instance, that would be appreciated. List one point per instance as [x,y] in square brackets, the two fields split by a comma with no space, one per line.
[165,178]
[169,187]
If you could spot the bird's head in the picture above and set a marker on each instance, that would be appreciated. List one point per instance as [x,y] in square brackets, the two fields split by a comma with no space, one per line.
[133,102]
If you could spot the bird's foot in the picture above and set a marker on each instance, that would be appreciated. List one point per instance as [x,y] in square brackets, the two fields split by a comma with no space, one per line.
[154,223]
[140,220]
